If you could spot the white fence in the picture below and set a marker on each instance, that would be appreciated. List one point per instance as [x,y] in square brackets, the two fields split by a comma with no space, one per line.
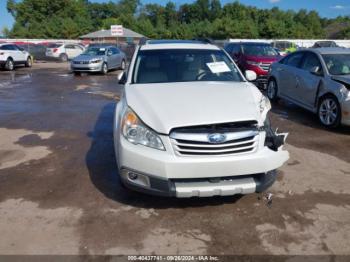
[38,41]
[300,42]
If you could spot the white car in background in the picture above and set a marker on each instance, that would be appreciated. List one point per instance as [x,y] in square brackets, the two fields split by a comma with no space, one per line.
[64,52]
[11,55]
[189,124]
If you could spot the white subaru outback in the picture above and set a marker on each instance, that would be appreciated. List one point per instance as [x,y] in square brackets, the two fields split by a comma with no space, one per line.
[190,124]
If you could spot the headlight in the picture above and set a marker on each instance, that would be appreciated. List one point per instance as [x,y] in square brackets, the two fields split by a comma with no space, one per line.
[138,133]
[96,61]
[264,104]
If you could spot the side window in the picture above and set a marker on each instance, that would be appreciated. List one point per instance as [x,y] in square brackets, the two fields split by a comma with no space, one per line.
[78,47]
[115,51]
[16,48]
[4,47]
[20,48]
[311,61]
[228,48]
[11,47]
[294,59]
[284,60]
[236,49]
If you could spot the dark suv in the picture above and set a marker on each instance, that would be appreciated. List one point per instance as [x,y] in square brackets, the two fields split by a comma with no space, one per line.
[254,56]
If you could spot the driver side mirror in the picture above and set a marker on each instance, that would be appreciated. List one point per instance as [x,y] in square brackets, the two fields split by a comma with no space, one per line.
[250,75]
[110,53]
[122,78]
[316,70]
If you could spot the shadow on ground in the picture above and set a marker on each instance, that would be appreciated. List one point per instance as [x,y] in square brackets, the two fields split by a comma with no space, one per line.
[100,161]
[303,117]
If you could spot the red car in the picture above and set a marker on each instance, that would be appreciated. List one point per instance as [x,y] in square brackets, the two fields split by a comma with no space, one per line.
[254,56]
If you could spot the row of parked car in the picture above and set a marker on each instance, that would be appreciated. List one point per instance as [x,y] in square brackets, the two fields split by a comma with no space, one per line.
[258,56]
[286,47]
[91,58]
[317,78]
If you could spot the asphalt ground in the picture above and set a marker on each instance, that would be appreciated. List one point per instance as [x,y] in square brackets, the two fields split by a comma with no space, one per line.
[60,192]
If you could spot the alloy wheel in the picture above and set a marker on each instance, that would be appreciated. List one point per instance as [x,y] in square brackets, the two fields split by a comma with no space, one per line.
[271,90]
[29,62]
[104,69]
[328,112]
[10,65]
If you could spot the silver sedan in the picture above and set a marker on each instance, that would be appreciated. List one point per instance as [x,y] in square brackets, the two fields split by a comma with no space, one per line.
[99,59]
[317,80]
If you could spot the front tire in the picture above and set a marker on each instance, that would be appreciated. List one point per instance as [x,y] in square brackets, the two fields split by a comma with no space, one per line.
[63,58]
[272,90]
[9,65]
[329,111]
[29,62]
[104,69]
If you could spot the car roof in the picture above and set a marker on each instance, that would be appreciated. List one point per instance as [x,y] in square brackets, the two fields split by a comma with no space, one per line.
[250,43]
[325,41]
[329,50]
[177,44]
[101,46]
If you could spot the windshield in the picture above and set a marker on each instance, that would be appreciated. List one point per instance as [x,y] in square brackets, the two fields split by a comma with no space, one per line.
[326,44]
[259,50]
[93,51]
[184,65]
[337,64]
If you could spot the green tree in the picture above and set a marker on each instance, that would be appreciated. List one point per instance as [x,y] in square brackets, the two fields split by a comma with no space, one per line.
[201,18]
[99,12]
[54,18]
[345,33]
[5,31]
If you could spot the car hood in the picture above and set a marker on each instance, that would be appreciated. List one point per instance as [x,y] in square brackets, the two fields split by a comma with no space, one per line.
[344,79]
[83,57]
[263,59]
[164,106]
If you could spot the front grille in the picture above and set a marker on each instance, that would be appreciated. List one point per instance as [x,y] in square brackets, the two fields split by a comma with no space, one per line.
[219,128]
[262,79]
[197,143]
[81,62]
[265,66]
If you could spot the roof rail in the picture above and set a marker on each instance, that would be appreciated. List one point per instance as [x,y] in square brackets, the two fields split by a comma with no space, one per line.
[205,40]
[143,40]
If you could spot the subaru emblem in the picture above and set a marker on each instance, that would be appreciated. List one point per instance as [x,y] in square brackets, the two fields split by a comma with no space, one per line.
[216,138]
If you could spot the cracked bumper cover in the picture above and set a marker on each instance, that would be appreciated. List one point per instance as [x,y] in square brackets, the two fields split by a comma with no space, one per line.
[168,175]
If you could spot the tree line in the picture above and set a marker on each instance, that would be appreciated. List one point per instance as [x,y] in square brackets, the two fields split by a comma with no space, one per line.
[202,18]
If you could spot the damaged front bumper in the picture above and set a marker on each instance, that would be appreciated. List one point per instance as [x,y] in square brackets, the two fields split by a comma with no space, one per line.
[200,187]
[167,174]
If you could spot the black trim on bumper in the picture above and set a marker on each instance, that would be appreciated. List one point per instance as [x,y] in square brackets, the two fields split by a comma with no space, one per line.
[159,187]
[166,188]
[261,81]
[264,181]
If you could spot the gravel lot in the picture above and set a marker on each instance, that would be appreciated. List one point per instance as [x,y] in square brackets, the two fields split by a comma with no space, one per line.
[60,193]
